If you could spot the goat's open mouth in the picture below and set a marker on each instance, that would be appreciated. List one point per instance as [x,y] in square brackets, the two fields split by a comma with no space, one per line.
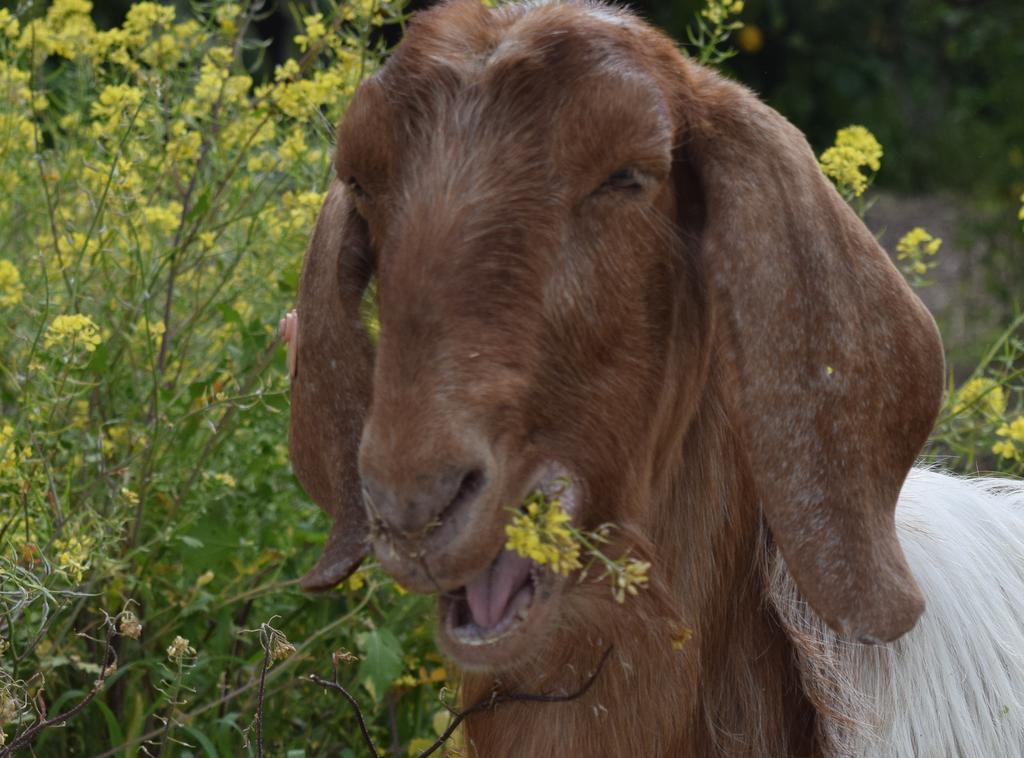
[488,620]
[495,604]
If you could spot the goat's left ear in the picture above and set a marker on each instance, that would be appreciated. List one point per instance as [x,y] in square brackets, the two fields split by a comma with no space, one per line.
[838,367]
[331,386]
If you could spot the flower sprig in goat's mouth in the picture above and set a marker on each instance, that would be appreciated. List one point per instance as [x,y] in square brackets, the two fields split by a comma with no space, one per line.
[542,531]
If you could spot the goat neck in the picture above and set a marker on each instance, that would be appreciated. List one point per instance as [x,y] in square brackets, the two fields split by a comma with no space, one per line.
[730,690]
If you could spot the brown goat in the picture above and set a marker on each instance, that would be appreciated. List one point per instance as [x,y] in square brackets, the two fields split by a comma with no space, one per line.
[595,257]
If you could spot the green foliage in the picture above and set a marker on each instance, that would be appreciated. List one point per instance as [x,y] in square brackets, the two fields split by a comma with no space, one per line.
[157,202]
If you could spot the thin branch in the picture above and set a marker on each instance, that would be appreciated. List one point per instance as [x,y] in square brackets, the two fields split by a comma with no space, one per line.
[26,738]
[258,719]
[352,701]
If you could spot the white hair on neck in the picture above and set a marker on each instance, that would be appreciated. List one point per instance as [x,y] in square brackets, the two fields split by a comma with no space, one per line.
[954,685]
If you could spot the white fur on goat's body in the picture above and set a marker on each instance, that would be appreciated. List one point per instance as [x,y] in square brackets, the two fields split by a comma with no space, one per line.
[954,685]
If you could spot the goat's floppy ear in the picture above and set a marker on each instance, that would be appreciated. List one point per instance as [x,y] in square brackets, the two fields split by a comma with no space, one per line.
[838,367]
[331,388]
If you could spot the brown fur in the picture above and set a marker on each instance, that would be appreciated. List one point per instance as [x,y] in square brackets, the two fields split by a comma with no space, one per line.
[724,358]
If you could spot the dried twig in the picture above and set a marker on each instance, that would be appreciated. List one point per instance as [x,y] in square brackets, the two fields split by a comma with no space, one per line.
[334,685]
[107,667]
[260,690]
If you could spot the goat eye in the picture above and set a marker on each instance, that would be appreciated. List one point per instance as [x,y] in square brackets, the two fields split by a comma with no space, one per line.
[623,179]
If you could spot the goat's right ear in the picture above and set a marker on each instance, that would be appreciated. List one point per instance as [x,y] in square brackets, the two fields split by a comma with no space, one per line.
[331,389]
[836,367]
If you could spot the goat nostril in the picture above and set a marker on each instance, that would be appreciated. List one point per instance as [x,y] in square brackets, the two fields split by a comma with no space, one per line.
[429,505]
[472,482]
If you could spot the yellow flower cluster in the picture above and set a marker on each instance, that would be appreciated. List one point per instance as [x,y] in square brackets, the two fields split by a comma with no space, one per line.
[11,288]
[315,31]
[9,25]
[981,395]
[719,11]
[73,556]
[1013,435]
[9,452]
[75,329]
[66,31]
[116,104]
[631,577]
[541,532]
[226,479]
[914,249]
[855,148]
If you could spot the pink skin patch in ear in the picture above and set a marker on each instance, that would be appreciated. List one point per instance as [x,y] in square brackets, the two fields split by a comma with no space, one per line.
[288,328]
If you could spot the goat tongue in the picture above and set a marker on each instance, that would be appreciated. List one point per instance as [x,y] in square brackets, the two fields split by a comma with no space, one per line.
[489,594]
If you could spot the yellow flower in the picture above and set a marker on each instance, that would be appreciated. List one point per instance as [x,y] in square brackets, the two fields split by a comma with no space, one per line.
[155,330]
[9,452]
[294,147]
[11,288]
[1013,433]
[164,217]
[842,165]
[913,249]
[226,479]
[9,25]
[226,16]
[142,17]
[315,31]
[855,148]
[864,142]
[73,556]
[630,578]
[1005,449]
[130,496]
[541,532]
[719,11]
[116,102]
[183,146]
[982,394]
[75,329]
[1014,430]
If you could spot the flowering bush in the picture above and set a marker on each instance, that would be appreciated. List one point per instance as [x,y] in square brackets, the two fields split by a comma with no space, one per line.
[157,201]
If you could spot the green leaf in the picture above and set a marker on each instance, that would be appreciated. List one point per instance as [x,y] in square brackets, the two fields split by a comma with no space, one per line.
[190,541]
[209,751]
[114,733]
[382,661]
[201,206]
